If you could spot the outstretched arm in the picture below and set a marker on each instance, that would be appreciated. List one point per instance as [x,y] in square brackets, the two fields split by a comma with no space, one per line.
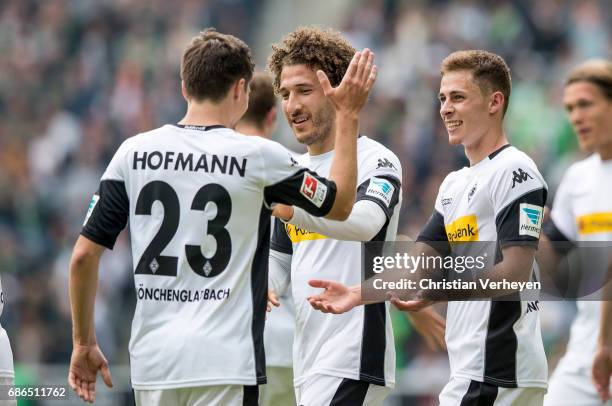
[87,358]
[348,99]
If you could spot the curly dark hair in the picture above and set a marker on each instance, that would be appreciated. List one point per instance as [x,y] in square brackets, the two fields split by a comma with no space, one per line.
[318,48]
[212,62]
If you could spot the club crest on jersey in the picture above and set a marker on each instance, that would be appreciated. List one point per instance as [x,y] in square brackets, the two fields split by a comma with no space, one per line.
[464,229]
[381,189]
[92,205]
[471,194]
[530,219]
[313,190]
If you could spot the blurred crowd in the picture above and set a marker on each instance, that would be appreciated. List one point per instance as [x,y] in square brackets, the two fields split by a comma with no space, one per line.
[79,76]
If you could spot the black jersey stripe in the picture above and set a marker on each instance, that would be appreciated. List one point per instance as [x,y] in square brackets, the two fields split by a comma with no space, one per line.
[350,393]
[259,292]
[280,240]
[479,394]
[110,215]
[374,334]
[434,234]
[388,210]
[199,127]
[250,395]
[501,343]
[291,191]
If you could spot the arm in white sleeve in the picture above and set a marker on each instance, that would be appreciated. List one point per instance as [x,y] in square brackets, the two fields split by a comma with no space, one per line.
[364,222]
[279,272]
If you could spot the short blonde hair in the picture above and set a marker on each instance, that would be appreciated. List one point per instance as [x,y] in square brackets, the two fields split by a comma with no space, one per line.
[595,71]
[490,71]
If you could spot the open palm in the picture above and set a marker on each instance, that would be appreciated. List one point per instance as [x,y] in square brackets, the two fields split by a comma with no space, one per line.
[336,298]
[85,363]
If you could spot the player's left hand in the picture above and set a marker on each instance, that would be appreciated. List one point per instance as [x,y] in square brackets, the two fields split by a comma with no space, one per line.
[602,370]
[336,298]
[352,92]
[283,212]
[413,305]
[85,363]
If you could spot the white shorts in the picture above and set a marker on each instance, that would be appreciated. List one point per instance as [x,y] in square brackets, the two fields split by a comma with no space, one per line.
[571,385]
[467,392]
[327,390]
[5,382]
[221,395]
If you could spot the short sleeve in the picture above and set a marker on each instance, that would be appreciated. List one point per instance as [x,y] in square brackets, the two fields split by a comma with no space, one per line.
[383,190]
[108,209]
[562,215]
[434,234]
[287,182]
[518,195]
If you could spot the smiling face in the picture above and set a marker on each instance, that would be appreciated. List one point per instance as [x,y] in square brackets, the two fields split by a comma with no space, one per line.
[465,110]
[309,113]
[590,114]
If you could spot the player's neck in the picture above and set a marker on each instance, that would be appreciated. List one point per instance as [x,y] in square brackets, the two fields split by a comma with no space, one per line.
[322,146]
[207,113]
[251,129]
[488,144]
[606,153]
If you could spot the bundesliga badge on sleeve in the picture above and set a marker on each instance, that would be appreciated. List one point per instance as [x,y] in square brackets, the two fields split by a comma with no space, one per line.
[313,190]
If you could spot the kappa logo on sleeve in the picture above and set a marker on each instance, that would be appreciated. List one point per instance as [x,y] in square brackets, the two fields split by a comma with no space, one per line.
[92,204]
[381,188]
[530,221]
[385,163]
[313,190]
[520,176]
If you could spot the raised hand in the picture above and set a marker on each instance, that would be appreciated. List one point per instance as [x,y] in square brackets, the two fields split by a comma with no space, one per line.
[352,93]
[602,370]
[336,298]
[85,363]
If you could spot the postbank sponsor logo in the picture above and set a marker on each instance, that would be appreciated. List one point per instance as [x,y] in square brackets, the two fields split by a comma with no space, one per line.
[463,229]
[595,223]
[297,234]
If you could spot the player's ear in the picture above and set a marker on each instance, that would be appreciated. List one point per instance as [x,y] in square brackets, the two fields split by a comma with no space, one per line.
[271,116]
[184,91]
[496,102]
[239,87]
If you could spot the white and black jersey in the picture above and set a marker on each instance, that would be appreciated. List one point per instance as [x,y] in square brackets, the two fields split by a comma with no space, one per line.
[6,355]
[198,203]
[358,344]
[500,199]
[582,211]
